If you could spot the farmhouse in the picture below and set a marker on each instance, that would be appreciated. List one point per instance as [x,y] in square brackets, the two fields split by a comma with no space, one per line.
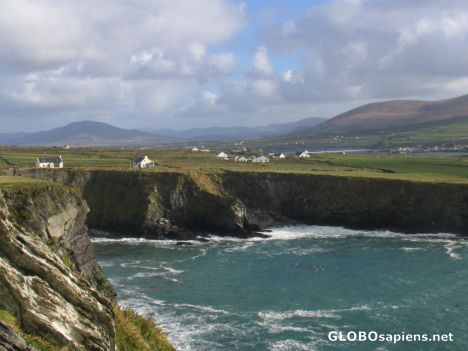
[49,162]
[142,162]
[282,155]
[223,155]
[261,159]
[195,149]
[240,159]
[305,154]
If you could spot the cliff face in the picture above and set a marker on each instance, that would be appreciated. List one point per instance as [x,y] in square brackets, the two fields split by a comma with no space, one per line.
[357,202]
[178,205]
[48,275]
[171,205]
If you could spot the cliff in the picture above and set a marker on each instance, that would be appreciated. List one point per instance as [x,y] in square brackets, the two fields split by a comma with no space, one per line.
[52,292]
[182,205]
[175,205]
[352,201]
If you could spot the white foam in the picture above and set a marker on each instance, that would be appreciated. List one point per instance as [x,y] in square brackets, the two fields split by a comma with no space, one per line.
[273,315]
[291,345]
[208,309]
[172,270]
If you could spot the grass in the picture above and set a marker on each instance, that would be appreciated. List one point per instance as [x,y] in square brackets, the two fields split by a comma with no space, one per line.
[204,167]
[136,333]
[37,342]
[11,181]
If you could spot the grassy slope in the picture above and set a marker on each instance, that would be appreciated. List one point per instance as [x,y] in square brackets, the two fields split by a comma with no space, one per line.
[136,333]
[431,133]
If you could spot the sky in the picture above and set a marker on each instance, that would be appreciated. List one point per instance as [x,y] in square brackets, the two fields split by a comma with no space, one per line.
[197,63]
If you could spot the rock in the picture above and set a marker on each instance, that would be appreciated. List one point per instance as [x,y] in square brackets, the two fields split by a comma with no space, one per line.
[10,340]
[48,272]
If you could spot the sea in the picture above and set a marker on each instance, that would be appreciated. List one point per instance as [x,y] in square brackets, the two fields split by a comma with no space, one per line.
[297,289]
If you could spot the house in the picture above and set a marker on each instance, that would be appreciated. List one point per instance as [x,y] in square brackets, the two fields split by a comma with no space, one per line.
[142,162]
[195,149]
[278,155]
[49,162]
[261,159]
[240,159]
[205,150]
[305,154]
[223,155]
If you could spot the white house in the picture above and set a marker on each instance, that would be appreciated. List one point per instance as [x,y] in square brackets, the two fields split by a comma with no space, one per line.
[142,162]
[49,162]
[261,159]
[282,155]
[240,159]
[195,149]
[223,155]
[305,154]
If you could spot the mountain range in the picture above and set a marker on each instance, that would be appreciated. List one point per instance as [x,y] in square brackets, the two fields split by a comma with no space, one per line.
[394,118]
[91,133]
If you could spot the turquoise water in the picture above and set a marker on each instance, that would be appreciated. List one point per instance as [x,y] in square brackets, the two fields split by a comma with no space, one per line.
[290,291]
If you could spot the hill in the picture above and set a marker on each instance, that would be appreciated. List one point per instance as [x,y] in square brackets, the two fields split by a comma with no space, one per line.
[237,133]
[85,133]
[91,133]
[388,115]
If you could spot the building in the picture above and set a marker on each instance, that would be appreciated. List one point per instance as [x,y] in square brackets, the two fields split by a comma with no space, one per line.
[223,155]
[278,155]
[305,154]
[241,159]
[261,159]
[49,162]
[142,162]
[195,149]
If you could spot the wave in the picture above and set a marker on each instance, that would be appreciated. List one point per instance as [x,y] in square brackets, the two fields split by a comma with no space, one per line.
[271,315]
[290,233]
[205,309]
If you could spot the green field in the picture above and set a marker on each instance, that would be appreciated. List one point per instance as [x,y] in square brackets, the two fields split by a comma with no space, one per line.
[438,169]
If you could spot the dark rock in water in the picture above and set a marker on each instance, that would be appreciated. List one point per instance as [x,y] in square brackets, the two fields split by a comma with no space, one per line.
[203,240]
[10,340]
[262,235]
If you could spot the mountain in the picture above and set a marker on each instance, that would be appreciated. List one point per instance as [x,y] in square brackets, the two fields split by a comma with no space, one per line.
[388,115]
[85,133]
[90,133]
[236,133]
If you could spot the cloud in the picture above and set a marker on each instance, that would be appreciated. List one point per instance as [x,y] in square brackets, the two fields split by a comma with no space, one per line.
[69,56]
[261,62]
[363,49]
[161,63]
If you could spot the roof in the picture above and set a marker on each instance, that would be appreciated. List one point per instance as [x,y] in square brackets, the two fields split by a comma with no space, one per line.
[50,159]
[139,159]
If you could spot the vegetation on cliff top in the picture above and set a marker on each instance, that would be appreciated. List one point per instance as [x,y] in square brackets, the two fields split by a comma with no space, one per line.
[200,164]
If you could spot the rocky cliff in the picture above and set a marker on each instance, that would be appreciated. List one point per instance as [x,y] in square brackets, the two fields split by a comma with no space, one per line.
[180,205]
[53,295]
[352,201]
[48,275]
[176,205]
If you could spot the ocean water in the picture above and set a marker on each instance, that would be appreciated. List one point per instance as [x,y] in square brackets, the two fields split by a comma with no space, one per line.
[288,292]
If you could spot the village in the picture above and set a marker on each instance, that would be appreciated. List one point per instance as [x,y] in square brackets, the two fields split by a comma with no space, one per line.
[144,162]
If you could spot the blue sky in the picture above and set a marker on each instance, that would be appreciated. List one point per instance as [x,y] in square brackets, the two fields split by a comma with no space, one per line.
[199,63]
